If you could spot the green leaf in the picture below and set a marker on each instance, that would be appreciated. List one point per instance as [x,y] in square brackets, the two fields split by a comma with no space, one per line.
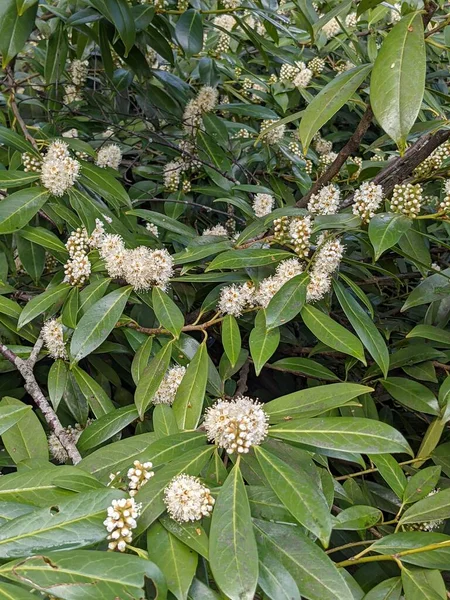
[35,487]
[11,414]
[299,494]
[190,394]
[14,29]
[428,332]
[367,5]
[421,484]
[141,358]
[176,561]
[97,323]
[57,381]
[357,518]
[14,140]
[423,584]
[13,179]
[26,438]
[304,366]
[164,222]
[331,333]
[92,293]
[55,60]
[43,237]
[151,379]
[70,309]
[90,574]
[398,78]
[167,312]
[415,540]
[164,422]
[389,589]
[196,253]
[329,100]
[19,208]
[9,307]
[191,534]
[345,434]
[39,304]
[96,397]
[391,472]
[432,508]
[23,5]
[118,12]
[238,259]
[101,182]
[275,580]
[412,394]
[287,302]
[364,327]
[189,32]
[105,427]
[231,339]
[432,288]
[32,258]
[385,229]
[232,549]
[314,400]
[314,573]
[263,343]
[151,494]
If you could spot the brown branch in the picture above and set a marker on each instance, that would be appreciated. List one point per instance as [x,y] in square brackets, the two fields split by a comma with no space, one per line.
[350,148]
[13,104]
[25,368]
[430,8]
[241,387]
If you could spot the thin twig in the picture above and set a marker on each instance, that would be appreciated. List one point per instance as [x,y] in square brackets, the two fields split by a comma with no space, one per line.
[13,104]
[241,387]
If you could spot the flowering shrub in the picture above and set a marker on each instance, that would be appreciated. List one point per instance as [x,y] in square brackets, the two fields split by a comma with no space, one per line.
[224,283]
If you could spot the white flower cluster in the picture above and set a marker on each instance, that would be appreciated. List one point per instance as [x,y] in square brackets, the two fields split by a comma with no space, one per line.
[204,102]
[326,201]
[234,299]
[78,268]
[152,228]
[141,267]
[263,204]
[78,72]
[109,155]
[57,450]
[316,65]
[303,78]
[218,230]
[351,20]
[249,87]
[227,23]
[70,133]
[236,425]
[53,336]
[275,135]
[59,171]
[168,388]
[31,163]
[299,234]
[367,199]
[298,73]
[187,499]
[120,522]
[396,13]
[172,174]
[332,28]
[231,3]
[322,146]
[445,204]
[138,475]
[343,65]
[326,261]
[407,199]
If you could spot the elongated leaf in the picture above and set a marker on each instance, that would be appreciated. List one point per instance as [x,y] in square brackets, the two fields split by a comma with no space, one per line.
[26,438]
[36,487]
[314,400]
[421,484]
[191,534]
[70,309]
[190,395]
[39,304]
[165,222]
[398,78]
[262,342]
[141,358]
[103,183]
[57,381]
[14,29]
[97,323]
[432,288]
[43,237]
[329,100]
[9,307]
[106,427]
[428,332]
[412,394]
[432,559]
[238,259]
[423,584]
[331,333]
[12,179]
[275,580]
[118,12]
[298,492]
[18,208]
[92,293]
[232,550]
[167,312]
[304,366]
[389,589]
[391,472]
[189,32]
[151,379]
[432,508]
[287,302]
[11,138]
[164,421]
[345,434]
[385,229]
[11,413]
[357,518]
[313,571]
[231,339]
[14,592]
[364,327]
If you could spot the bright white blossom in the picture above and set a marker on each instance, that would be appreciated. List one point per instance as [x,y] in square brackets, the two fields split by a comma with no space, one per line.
[218,230]
[263,204]
[169,386]
[316,65]
[172,175]
[407,199]
[322,146]
[224,22]
[187,499]
[275,135]
[231,300]
[31,163]
[204,102]
[319,285]
[331,28]
[59,171]
[78,71]
[329,256]
[77,269]
[326,201]
[109,156]
[98,235]
[78,241]
[152,228]
[53,336]
[267,289]
[287,269]
[138,475]
[236,425]
[367,199]
[71,133]
[299,234]
[302,79]
[351,20]
[445,204]
[120,522]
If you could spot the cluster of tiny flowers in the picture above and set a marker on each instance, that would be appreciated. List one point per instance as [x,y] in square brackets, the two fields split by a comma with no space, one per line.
[331,28]
[407,199]
[152,228]
[78,268]
[224,22]
[138,475]
[218,230]
[316,65]
[235,298]
[445,204]
[172,175]
[299,234]
[70,133]
[295,148]
[326,160]
[187,499]
[269,286]
[281,229]
[249,88]
[302,79]
[78,241]
[326,201]
[288,72]
[95,240]
[31,163]
[263,204]
[158,4]
[275,135]
[57,450]
[204,102]
[322,146]
[434,161]
[343,66]
[351,20]
[59,171]
[272,79]
[367,199]
[396,13]
[168,388]
[120,522]
[326,261]
[78,72]
[109,156]
[52,334]
[236,425]
[357,161]
[231,3]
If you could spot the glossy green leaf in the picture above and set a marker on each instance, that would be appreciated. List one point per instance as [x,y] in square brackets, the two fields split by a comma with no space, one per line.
[275,580]
[96,397]
[188,403]
[429,332]
[231,339]
[287,302]
[167,312]
[118,12]
[189,32]
[389,589]
[423,584]
[385,229]
[19,208]
[70,309]
[43,237]
[141,358]
[421,484]
[11,139]
[14,29]
[164,222]
[262,342]
[164,421]
[14,592]
[432,508]
[151,379]
[232,551]
[104,184]
[105,427]
[432,288]
[412,394]
[391,472]
[13,179]
[304,366]
[39,304]
[9,307]
[191,534]
[239,259]
[416,540]
[57,381]
[357,518]
[26,438]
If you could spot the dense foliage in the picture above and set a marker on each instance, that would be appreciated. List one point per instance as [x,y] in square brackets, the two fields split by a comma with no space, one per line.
[224,300]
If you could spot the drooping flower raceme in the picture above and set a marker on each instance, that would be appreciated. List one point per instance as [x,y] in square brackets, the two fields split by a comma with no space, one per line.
[171,382]
[299,234]
[138,475]
[236,425]
[187,499]
[218,230]
[109,156]
[263,204]
[120,522]
[53,336]
[367,199]
[59,171]
[326,201]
